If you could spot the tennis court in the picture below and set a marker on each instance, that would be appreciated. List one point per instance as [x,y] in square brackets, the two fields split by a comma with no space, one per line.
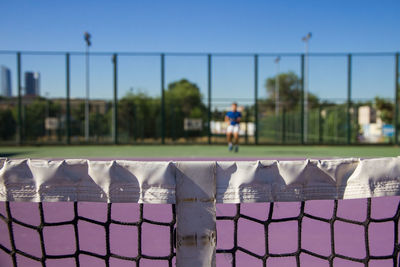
[194,152]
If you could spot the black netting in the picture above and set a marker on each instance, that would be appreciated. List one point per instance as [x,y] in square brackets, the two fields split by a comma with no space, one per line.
[375,248]
[15,252]
[238,250]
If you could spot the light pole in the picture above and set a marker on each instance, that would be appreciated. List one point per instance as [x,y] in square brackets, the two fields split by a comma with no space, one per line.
[88,44]
[277,86]
[306,39]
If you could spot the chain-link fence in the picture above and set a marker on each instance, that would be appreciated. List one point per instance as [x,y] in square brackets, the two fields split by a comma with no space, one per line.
[128,98]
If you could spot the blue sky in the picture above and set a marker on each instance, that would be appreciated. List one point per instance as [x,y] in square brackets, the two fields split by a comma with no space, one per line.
[205,26]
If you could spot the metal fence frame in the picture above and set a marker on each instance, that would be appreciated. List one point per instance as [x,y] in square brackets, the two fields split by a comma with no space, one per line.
[209,56]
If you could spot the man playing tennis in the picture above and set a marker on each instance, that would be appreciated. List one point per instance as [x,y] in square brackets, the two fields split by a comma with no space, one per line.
[233,119]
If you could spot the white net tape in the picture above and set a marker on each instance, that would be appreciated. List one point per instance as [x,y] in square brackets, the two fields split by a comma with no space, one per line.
[37,180]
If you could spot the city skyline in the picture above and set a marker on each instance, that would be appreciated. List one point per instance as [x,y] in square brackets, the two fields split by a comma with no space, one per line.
[31,86]
[32,83]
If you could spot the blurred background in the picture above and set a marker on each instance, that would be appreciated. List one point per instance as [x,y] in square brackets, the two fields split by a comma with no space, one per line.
[301,73]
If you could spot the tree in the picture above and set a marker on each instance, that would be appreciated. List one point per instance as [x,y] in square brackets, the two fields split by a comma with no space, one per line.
[8,124]
[183,100]
[139,116]
[335,124]
[77,119]
[34,115]
[385,108]
[289,91]
[186,97]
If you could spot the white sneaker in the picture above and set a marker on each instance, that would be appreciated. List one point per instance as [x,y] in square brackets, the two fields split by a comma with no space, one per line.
[230,147]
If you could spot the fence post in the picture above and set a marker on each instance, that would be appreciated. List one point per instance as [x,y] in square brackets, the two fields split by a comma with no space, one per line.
[302,101]
[209,100]
[172,120]
[133,121]
[19,107]
[348,99]
[283,125]
[396,100]
[162,99]
[356,122]
[115,101]
[246,120]
[68,92]
[256,99]
[320,122]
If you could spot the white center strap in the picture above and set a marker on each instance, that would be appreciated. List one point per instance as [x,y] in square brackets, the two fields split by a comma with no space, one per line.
[196,214]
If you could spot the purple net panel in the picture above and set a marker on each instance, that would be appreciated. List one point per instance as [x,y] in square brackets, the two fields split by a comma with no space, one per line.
[356,232]
[91,234]
[359,232]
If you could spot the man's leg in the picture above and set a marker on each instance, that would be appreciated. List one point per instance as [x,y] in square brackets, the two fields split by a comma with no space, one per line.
[229,138]
[236,140]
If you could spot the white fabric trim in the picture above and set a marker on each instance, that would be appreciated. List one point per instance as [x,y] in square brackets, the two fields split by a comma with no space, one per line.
[37,180]
[85,180]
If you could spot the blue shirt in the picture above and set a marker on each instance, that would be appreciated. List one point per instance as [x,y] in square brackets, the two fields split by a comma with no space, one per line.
[233,116]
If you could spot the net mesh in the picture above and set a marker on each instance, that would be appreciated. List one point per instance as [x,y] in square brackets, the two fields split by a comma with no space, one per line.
[85,231]
[308,233]
[280,237]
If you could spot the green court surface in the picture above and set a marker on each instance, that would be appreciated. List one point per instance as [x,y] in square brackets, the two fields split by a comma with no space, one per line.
[197,152]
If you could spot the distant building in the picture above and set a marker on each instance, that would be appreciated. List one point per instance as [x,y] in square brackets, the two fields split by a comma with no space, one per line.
[32,83]
[5,82]
[366,115]
[371,125]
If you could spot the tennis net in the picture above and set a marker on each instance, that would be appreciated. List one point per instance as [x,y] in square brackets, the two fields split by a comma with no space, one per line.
[265,213]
